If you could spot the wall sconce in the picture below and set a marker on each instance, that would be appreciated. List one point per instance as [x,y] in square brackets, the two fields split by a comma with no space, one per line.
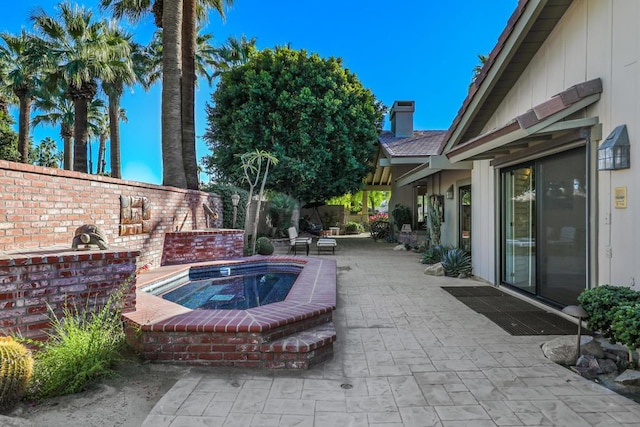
[449,192]
[614,152]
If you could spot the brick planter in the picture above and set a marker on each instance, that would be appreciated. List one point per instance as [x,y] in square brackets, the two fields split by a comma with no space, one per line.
[32,280]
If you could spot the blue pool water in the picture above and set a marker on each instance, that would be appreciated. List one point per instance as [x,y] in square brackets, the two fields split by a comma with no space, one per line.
[232,287]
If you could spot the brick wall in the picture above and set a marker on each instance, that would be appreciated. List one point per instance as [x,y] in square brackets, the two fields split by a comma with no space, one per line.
[185,247]
[30,283]
[43,207]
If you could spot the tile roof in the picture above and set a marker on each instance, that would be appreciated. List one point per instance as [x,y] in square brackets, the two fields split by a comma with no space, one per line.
[422,143]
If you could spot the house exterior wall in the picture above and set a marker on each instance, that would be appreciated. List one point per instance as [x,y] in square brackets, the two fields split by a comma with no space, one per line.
[594,39]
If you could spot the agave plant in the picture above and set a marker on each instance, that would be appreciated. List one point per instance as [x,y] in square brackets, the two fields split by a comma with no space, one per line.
[456,262]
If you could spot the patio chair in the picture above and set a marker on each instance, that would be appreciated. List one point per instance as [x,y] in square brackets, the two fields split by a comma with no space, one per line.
[295,241]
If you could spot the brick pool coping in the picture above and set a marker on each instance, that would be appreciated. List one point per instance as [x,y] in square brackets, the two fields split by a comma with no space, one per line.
[313,294]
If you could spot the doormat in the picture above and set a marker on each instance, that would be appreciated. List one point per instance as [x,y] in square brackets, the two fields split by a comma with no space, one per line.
[512,314]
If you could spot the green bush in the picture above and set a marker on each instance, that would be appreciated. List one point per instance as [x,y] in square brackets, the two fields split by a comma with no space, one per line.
[264,246]
[456,262]
[380,229]
[281,207]
[82,349]
[433,255]
[602,302]
[401,215]
[353,228]
[626,326]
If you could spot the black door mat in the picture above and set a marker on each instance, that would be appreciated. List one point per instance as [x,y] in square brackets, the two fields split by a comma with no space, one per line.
[512,314]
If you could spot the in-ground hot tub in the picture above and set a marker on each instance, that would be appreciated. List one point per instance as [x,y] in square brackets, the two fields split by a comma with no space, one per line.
[295,333]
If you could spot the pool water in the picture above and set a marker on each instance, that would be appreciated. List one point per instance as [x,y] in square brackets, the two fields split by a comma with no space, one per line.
[232,287]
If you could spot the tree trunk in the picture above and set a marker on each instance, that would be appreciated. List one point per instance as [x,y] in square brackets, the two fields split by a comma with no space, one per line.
[172,162]
[188,94]
[23,124]
[256,218]
[80,135]
[102,150]
[67,137]
[114,135]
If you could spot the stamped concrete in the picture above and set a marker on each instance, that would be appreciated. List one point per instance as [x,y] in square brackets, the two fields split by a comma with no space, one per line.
[407,354]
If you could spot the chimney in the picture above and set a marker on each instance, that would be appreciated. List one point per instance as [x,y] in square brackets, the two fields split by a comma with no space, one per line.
[402,118]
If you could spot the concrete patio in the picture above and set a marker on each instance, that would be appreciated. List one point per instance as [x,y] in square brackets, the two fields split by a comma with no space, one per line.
[407,354]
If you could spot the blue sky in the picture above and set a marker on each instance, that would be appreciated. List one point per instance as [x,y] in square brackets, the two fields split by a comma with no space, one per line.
[422,50]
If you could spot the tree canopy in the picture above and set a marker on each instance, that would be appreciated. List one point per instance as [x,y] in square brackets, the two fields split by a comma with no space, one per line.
[309,112]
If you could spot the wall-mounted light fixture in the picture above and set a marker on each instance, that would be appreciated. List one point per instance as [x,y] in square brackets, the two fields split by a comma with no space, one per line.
[614,152]
[449,192]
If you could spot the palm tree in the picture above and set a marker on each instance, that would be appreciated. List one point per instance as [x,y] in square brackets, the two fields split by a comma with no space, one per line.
[233,53]
[46,154]
[20,56]
[189,31]
[80,55]
[57,110]
[178,19]
[124,75]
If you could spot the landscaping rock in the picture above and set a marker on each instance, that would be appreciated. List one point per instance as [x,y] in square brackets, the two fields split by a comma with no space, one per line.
[616,352]
[629,377]
[589,366]
[434,270]
[563,349]
[399,248]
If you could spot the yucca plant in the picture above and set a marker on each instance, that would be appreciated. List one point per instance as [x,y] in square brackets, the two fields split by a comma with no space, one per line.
[456,262]
[433,255]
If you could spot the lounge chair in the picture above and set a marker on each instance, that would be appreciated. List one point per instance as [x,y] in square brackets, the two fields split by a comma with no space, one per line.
[295,241]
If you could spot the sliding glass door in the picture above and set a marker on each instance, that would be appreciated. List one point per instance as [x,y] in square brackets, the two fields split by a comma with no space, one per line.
[519,243]
[544,227]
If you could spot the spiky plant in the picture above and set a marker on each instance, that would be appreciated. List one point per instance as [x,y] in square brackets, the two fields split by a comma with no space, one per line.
[456,262]
[16,366]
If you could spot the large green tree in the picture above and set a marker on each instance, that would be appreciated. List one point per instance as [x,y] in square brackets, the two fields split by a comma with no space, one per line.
[309,112]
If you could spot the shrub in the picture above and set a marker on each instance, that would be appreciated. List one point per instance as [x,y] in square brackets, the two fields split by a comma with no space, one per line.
[280,208]
[380,229]
[82,349]
[353,228]
[433,255]
[626,327]
[456,262]
[401,215]
[264,246]
[602,302]
[16,366]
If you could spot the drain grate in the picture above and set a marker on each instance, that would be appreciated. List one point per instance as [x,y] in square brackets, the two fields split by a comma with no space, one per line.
[512,314]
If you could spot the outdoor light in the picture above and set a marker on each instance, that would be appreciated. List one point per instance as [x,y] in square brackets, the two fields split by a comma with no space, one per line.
[580,313]
[235,199]
[449,192]
[614,152]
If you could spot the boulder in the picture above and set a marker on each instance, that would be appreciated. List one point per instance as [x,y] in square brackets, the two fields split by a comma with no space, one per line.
[434,270]
[562,350]
[629,377]
[590,366]
[399,248]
